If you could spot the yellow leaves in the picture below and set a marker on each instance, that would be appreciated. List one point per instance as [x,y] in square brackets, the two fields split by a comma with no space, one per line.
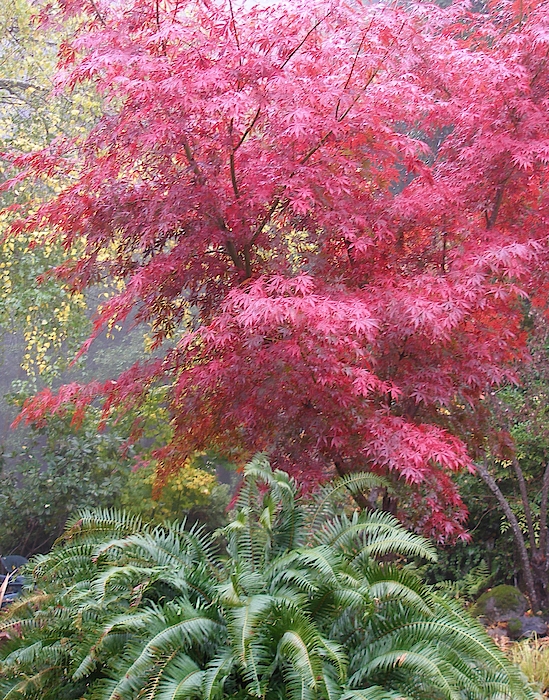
[189,487]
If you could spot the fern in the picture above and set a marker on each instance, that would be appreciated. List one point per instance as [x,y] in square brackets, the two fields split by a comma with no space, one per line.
[302,608]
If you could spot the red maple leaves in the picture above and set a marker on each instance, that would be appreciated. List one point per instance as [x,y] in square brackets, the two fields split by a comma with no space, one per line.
[350,204]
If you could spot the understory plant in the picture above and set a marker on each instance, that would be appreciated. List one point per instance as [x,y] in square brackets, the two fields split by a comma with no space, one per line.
[532,656]
[289,601]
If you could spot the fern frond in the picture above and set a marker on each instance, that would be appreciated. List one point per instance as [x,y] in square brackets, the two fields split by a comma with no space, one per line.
[357,482]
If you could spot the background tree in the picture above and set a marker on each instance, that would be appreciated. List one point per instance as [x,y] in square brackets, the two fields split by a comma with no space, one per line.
[49,321]
[516,464]
[61,468]
[327,213]
[508,506]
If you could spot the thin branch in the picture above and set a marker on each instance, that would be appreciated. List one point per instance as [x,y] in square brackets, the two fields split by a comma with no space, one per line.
[231,156]
[296,49]
[315,148]
[233,176]
[355,59]
[265,220]
[15,85]
[192,161]
[97,13]
[278,198]
[235,32]
[444,247]
[248,129]
[229,244]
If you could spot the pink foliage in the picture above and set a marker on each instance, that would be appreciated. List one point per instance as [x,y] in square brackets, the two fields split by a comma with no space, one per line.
[351,199]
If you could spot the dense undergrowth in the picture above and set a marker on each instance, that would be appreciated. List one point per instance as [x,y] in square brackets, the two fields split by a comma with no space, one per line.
[291,601]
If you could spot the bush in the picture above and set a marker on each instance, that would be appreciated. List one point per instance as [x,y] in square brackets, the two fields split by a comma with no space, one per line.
[60,469]
[532,656]
[56,472]
[303,605]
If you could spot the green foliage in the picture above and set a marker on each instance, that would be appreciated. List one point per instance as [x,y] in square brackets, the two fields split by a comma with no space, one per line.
[57,471]
[192,492]
[51,320]
[296,610]
[491,542]
[469,585]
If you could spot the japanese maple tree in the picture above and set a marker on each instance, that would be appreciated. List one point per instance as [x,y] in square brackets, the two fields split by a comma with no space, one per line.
[327,212]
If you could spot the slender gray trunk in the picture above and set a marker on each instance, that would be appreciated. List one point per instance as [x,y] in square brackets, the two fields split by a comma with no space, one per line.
[525,504]
[517,534]
[543,513]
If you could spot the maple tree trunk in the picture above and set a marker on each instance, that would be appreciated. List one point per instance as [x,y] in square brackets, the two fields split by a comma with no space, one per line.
[517,534]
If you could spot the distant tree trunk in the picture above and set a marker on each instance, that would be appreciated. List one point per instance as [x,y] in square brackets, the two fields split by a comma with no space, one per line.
[543,513]
[517,534]
[525,504]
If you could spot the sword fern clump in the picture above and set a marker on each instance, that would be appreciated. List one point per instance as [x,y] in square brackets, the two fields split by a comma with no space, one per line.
[300,603]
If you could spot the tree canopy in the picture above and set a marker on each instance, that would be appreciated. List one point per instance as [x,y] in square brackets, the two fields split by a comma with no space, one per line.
[328,213]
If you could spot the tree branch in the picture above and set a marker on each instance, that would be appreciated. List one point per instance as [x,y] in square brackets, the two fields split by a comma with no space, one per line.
[14,86]
[491,220]
[296,49]
[233,176]
[192,161]
[277,200]
[355,59]
[97,13]
[235,32]
[247,131]
[235,257]
[359,498]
